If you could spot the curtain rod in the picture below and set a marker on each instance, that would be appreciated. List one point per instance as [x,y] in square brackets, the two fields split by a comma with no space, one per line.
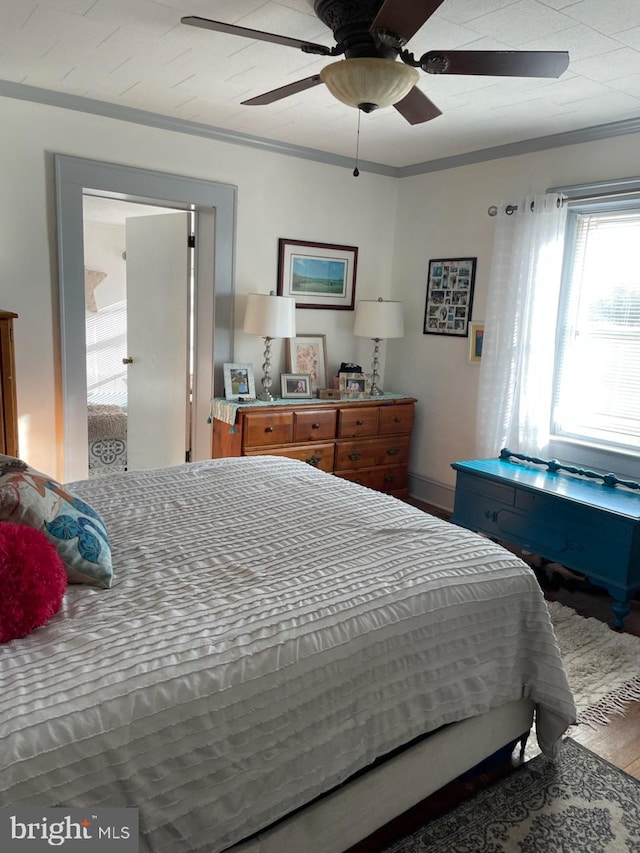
[510,209]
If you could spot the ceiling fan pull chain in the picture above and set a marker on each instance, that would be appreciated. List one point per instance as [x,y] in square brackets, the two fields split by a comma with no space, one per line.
[356,171]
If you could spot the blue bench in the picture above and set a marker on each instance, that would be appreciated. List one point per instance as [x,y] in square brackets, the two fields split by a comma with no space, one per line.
[590,527]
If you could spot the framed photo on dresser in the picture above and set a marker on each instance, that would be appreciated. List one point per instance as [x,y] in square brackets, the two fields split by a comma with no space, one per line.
[239,383]
[308,354]
[295,385]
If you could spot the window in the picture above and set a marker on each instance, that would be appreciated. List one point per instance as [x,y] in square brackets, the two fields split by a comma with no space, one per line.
[106,335]
[596,398]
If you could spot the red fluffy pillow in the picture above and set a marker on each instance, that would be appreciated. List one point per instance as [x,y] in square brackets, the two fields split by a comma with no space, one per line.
[32,580]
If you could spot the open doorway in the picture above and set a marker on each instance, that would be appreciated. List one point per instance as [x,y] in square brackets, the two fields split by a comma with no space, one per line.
[139,296]
[215,206]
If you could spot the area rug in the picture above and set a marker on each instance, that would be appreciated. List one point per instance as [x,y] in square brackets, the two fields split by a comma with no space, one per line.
[577,804]
[602,665]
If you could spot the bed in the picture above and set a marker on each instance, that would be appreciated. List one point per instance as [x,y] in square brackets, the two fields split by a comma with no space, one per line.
[107,434]
[271,635]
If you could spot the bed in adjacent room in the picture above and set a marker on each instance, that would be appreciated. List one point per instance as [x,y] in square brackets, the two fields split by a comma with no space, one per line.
[270,632]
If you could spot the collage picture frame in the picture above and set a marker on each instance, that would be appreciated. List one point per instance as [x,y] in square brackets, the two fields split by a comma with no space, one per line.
[449,299]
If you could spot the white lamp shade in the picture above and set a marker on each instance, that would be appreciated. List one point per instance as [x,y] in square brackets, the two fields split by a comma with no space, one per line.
[378,319]
[270,316]
[369,80]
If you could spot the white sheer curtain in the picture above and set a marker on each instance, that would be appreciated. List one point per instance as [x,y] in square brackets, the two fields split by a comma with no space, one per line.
[516,371]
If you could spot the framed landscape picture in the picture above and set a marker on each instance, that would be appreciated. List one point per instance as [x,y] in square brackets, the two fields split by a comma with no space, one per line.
[449,296]
[317,275]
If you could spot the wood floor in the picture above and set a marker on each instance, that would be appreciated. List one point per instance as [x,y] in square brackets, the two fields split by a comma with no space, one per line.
[618,742]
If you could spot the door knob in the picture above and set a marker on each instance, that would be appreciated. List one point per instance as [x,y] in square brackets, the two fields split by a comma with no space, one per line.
[127,360]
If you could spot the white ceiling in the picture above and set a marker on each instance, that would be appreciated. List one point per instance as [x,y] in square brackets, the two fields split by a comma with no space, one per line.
[113,211]
[137,54]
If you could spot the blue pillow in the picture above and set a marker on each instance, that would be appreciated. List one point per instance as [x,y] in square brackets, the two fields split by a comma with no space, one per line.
[75,528]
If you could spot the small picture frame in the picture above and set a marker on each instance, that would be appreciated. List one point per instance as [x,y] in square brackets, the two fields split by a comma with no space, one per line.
[295,385]
[449,298]
[239,383]
[476,339]
[355,386]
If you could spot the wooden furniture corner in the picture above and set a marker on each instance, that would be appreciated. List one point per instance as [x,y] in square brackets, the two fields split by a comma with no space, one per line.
[8,399]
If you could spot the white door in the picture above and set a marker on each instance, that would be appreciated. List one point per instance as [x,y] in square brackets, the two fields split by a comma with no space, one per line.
[158,274]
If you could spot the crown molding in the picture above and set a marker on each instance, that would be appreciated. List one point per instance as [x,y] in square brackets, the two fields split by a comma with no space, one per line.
[526,146]
[79,103]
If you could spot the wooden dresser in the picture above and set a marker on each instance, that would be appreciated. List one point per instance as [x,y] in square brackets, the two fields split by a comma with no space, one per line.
[366,441]
[8,402]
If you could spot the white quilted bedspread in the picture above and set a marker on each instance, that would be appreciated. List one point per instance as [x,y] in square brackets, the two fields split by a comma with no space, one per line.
[272,629]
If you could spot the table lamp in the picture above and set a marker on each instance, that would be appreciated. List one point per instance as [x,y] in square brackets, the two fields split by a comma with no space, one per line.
[378,319]
[269,316]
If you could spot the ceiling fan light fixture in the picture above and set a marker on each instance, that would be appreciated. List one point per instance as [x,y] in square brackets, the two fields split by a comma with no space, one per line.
[368,83]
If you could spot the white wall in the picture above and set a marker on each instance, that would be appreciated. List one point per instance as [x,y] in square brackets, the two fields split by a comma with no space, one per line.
[444,215]
[103,248]
[278,196]
[397,225]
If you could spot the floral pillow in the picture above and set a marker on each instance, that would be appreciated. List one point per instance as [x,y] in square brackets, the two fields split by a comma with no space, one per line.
[75,528]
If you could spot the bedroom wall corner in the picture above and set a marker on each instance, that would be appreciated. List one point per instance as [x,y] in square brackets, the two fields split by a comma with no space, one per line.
[444,215]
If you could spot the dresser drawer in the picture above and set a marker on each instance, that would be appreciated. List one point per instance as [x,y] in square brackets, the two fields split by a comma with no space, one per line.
[388,479]
[369,477]
[367,454]
[314,425]
[395,419]
[500,492]
[261,430]
[357,421]
[318,455]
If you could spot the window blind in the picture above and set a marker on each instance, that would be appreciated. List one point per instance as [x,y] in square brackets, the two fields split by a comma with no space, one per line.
[597,384]
[106,335]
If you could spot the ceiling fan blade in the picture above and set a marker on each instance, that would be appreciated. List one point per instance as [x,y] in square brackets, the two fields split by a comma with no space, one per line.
[496,63]
[416,107]
[404,18]
[283,91]
[232,29]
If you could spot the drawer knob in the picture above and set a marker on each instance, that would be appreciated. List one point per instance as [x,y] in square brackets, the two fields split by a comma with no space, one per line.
[492,516]
[393,451]
[355,456]
[268,429]
[389,478]
[397,419]
[359,423]
[315,426]
[314,460]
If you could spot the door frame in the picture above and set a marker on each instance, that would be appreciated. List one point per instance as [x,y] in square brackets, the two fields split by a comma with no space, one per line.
[213,344]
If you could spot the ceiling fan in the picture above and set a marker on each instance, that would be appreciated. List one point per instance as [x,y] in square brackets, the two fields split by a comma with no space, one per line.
[378,70]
